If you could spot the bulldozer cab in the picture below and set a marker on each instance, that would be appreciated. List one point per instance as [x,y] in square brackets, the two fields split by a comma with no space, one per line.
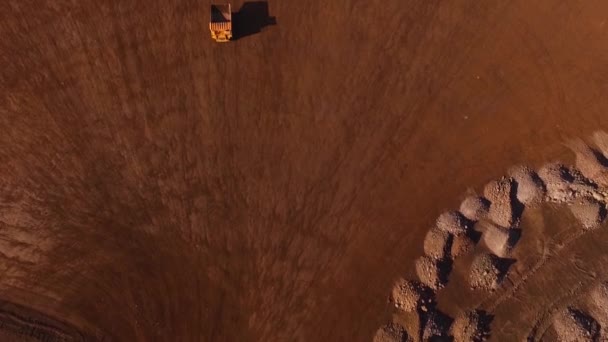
[221,22]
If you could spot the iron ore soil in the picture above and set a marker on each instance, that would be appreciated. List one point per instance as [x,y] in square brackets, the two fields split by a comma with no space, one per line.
[157,186]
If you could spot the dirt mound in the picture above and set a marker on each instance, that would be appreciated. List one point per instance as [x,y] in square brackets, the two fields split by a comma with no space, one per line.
[498,190]
[436,326]
[502,210]
[407,294]
[474,208]
[557,179]
[392,332]
[432,272]
[564,184]
[575,325]
[588,162]
[600,138]
[436,243]
[499,240]
[529,187]
[453,222]
[589,212]
[472,326]
[461,245]
[486,272]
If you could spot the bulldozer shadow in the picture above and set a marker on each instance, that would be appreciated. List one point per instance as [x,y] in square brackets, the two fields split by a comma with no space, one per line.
[251,18]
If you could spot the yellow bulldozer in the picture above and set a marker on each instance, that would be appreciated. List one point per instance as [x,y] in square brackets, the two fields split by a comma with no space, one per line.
[221,23]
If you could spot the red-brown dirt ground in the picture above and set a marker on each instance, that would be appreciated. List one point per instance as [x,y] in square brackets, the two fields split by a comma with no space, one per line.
[158,186]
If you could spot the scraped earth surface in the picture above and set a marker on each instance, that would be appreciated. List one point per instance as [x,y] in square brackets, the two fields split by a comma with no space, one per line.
[155,185]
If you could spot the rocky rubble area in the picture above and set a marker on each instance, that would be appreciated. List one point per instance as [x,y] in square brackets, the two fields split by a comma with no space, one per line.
[495,216]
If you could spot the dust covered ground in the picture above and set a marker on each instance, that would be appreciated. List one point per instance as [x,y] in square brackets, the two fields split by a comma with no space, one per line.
[158,186]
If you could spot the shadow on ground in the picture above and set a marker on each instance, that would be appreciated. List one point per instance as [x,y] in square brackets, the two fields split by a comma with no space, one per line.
[251,18]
